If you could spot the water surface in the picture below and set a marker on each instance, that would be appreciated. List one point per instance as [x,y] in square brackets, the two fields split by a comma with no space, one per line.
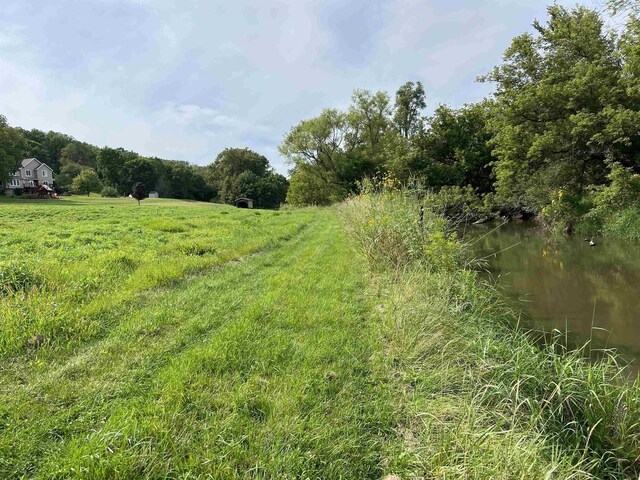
[566,284]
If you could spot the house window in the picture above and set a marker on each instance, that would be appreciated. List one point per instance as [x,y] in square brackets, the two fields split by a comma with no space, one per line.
[15,182]
[27,173]
[43,172]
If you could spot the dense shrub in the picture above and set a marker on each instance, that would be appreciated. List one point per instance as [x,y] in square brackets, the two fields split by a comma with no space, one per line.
[564,210]
[614,208]
[396,227]
[459,203]
[622,191]
[110,192]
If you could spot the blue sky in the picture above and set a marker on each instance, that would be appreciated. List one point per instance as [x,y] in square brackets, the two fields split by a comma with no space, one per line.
[185,79]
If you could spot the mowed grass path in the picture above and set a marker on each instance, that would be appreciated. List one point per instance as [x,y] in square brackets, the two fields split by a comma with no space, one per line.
[254,366]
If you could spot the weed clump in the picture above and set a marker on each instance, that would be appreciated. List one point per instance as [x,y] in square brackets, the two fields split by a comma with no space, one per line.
[396,227]
[197,249]
[17,278]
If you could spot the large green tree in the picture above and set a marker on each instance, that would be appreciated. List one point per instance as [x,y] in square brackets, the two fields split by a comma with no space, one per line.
[140,169]
[274,190]
[319,144]
[240,172]
[454,150]
[564,108]
[371,137]
[110,164]
[229,164]
[86,182]
[11,147]
[410,102]
[68,172]
[369,120]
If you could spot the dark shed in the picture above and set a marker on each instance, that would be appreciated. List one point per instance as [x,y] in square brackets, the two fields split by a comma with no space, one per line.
[244,202]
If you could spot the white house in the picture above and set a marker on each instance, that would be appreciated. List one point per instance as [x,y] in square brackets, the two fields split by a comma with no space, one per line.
[31,174]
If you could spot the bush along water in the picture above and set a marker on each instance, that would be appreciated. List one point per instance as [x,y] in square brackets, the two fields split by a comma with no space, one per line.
[615,208]
[479,397]
[395,230]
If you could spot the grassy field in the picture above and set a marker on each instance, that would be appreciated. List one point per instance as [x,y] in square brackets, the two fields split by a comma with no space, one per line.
[180,340]
[189,340]
[72,263]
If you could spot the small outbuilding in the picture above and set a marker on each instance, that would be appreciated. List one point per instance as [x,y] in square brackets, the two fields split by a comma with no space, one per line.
[244,202]
[154,194]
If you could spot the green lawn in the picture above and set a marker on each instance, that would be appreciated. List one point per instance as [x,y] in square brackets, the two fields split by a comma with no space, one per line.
[79,259]
[182,340]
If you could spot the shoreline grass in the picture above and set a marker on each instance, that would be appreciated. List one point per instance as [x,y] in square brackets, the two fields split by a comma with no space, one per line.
[479,398]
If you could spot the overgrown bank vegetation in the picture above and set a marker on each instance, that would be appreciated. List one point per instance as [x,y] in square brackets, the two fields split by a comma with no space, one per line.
[476,396]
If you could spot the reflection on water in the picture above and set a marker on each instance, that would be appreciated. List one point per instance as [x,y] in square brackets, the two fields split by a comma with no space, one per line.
[565,284]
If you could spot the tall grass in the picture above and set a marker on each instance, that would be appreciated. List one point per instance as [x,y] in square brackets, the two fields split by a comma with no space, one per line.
[395,230]
[481,398]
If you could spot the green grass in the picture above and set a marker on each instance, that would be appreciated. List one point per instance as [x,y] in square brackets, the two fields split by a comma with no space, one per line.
[252,363]
[85,257]
[190,340]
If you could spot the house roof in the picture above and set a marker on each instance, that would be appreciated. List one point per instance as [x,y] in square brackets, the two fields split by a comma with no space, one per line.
[42,164]
[27,161]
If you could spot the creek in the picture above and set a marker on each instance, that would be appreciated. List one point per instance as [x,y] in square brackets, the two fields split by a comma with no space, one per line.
[591,293]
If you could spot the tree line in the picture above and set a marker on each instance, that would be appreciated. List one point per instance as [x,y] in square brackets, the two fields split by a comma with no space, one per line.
[334,151]
[80,167]
[561,128]
[558,138]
